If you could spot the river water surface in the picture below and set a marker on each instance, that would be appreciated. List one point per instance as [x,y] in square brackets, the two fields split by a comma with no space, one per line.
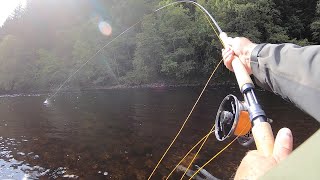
[121,134]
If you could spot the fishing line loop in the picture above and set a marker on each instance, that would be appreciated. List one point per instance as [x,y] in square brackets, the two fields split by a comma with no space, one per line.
[221,151]
[207,15]
[189,152]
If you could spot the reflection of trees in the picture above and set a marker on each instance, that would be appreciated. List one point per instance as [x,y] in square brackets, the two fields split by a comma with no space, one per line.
[23,116]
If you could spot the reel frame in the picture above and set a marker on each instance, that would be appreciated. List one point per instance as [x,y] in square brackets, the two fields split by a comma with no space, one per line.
[232,119]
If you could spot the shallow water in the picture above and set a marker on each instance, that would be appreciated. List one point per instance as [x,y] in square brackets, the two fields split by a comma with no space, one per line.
[121,134]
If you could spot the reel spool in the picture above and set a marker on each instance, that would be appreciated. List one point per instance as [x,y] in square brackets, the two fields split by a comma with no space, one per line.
[233,119]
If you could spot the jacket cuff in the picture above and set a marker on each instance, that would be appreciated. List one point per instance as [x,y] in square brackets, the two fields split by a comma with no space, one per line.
[255,53]
[258,75]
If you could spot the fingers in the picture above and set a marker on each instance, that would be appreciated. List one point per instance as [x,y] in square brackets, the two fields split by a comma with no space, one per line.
[228,56]
[229,42]
[237,45]
[283,144]
[240,47]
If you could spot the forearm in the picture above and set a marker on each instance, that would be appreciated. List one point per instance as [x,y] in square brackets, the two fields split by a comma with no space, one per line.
[292,72]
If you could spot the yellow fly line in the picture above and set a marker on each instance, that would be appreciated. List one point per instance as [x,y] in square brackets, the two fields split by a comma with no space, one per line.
[194,157]
[221,151]
[189,153]
[195,104]
[186,120]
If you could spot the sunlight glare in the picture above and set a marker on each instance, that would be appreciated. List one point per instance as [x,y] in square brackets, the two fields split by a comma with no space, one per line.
[7,7]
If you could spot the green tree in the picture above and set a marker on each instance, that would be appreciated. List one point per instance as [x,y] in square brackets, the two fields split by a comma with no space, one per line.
[149,52]
[48,70]
[176,28]
[315,26]
[40,46]
[14,72]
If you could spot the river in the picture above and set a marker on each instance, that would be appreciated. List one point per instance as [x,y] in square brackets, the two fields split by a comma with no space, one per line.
[121,134]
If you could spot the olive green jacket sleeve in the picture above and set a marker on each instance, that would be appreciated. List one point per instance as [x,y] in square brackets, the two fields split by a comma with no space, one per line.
[291,71]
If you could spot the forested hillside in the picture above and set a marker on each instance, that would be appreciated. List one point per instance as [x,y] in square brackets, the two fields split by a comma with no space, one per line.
[42,44]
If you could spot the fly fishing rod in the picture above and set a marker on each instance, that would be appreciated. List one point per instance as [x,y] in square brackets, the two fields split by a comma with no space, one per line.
[233,115]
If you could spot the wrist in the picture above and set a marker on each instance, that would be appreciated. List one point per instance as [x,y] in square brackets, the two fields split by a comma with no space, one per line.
[247,56]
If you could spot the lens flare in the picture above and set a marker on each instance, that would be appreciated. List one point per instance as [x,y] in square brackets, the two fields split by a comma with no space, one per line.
[105,28]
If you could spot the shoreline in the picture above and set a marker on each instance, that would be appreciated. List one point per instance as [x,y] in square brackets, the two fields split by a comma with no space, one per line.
[158,85]
[143,86]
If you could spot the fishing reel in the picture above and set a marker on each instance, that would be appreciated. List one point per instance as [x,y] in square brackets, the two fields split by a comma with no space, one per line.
[233,119]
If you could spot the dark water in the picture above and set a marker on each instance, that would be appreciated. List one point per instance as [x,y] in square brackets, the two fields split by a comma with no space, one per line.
[121,134]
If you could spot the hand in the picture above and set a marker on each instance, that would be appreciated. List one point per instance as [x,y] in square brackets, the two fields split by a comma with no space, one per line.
[255,164]
[240,47]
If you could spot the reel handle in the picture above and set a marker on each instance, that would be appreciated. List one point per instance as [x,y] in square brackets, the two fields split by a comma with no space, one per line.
[240,71]
[261,130]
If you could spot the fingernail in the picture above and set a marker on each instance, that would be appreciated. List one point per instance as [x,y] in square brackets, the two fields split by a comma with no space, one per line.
[285,131]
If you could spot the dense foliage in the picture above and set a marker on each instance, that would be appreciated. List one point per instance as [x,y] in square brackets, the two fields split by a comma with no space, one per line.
[41,45]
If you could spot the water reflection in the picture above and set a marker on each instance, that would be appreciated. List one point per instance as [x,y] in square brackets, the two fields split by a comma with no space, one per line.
[121,134]
[14,163]
[19,95]
[12,168]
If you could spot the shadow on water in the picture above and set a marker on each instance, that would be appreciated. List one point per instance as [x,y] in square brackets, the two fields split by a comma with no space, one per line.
[121,134]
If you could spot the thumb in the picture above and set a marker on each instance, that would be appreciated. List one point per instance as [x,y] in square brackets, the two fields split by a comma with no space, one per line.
[283,144]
